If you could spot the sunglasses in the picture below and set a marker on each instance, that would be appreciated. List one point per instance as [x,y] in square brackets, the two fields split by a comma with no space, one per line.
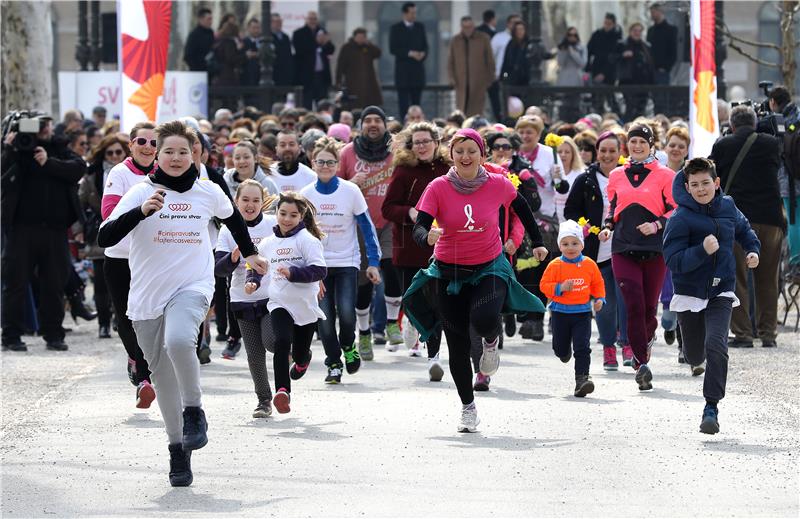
[141,141]
[505,147]
[327,163]
[109,153]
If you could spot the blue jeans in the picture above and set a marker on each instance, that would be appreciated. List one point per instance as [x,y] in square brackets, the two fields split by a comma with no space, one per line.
[612,317]
[339,301]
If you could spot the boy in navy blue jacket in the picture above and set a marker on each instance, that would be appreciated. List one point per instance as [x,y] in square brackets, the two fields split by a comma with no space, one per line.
[698,249]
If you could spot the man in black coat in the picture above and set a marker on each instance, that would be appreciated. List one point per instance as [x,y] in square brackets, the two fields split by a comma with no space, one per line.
[283,66]
[489,25]
[663,39]
[39,203]
[251,72]
[200,42]
[312,51]
[755,190]
[601,46]
[409,45]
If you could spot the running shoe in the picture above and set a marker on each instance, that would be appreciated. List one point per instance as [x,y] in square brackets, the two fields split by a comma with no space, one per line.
[526,330]
[481,382]
[416,350]
[610,358]
[379,338]
[232,348]
[180,467]
[281,401]
[435,369]
[393,333]
[669,337]
[204,353]
[681,358]
[410,335]
[195,427]
[698,370]
[145,394]
[644,378]
[352,360]
[710,422]
[510,324]
[334,374]
[263,409]
[365,347]
[298,370]
[537,334]
[490,359]
[583,385]
[469,419]
[627,355]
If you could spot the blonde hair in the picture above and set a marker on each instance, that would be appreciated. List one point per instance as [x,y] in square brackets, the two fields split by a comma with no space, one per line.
[577,161]
[308,212]
[328,144]
[681,133]
[530,121]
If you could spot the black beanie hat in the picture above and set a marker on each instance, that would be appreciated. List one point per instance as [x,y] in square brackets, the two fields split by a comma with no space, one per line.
[640,130]
[373,110]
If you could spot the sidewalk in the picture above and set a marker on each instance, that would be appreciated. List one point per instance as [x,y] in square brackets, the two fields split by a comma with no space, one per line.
[384,442]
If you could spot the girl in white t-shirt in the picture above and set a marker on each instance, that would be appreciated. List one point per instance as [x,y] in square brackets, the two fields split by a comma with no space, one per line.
[296,265]
[172,280]
[250,310]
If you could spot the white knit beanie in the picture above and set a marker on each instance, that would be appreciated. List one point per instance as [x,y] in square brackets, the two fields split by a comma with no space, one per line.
[570,228]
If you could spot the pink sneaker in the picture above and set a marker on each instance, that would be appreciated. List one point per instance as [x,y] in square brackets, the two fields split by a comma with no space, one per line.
[281,401]
[627,355]
[610,358]
[145,394]
[481,382]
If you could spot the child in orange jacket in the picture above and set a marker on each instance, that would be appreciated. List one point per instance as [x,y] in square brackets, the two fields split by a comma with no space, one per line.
[571,282]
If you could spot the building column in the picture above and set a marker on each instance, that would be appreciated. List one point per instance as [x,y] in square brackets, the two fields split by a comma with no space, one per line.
[353,17]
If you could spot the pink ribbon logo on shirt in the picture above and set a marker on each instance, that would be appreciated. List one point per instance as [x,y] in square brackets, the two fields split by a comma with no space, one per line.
[468,213]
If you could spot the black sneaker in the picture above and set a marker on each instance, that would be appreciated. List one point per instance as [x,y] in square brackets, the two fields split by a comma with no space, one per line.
[526,330]
[57,346]
[194,428]
[352,359]
[769,343]
[537,334]
[180,466]
[297,371]
[334,374]
[583,385]
[103,332]
[710,422]
[669,336]
[681,358]
[644,378]
[510,324]
[15,346]
[740,343]
[566,358]
[204,353]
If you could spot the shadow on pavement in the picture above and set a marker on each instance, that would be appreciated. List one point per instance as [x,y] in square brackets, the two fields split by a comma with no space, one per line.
[505,443]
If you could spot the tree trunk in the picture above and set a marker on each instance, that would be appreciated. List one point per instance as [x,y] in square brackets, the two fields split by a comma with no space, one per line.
[27,56]
[789,13]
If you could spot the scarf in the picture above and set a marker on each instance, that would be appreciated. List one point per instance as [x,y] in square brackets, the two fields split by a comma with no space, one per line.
[648,160]
[181,183]
[531,157]
[137,168]
[372,151]
[464,186]
[255,221]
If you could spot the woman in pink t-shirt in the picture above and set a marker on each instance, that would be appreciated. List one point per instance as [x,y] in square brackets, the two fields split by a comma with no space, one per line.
[471,278]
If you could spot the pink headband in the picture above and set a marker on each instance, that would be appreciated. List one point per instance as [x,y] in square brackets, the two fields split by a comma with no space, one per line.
[472,135]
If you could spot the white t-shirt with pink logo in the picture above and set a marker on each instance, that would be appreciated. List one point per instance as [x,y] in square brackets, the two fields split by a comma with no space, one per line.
[471,223]
[171,251]
[299,299]
[120,180]
[294,182]
[336,216]
[226,243]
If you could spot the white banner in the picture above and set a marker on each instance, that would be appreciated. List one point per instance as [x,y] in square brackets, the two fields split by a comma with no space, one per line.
[703,117]
[185,93]
[294,13]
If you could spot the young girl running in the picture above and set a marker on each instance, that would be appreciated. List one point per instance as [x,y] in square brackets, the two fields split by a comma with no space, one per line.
[167,217]
[250,310]
[471,277]
[296,265]
[341,207]
[121,179]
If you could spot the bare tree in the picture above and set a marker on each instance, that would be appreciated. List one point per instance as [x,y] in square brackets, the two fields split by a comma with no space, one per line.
[789,11]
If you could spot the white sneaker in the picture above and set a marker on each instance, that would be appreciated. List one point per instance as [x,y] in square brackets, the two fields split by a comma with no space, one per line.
[410,335]
[490,360]
[416,350]
[391,347]
[469,419]
[435,369]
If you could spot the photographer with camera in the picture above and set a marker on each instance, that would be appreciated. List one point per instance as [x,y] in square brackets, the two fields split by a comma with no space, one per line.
[747,165]
[40,177]
[780,101]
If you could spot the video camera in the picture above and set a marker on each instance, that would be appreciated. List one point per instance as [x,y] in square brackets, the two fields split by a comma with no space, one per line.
[768,121]
[27,124]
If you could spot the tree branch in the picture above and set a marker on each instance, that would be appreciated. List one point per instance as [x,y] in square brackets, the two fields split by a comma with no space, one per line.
[751,57]
[727,32]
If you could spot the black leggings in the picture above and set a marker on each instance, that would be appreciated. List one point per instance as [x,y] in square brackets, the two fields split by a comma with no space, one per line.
[435,340]
[478,306]
[289,337]
[391,286]
[102,299]
[118,281]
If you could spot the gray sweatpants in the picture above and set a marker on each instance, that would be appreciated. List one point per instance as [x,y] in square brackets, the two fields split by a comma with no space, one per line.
[705,337]
[168,343]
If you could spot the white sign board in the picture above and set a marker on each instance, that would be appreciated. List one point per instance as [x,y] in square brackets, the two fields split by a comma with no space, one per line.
[185,93]
[293,13]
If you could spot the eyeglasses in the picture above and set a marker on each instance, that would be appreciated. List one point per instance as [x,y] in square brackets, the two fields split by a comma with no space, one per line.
[326,163]
[110,153]
[141,141]
[423,142]
[505,147]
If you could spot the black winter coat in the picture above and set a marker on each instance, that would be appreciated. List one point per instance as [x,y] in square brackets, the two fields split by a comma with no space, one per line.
[283,66]
[408,72]
[198,45]
[305,56]
[586,201]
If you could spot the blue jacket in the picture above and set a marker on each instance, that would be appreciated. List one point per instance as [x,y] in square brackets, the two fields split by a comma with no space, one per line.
[695,273]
